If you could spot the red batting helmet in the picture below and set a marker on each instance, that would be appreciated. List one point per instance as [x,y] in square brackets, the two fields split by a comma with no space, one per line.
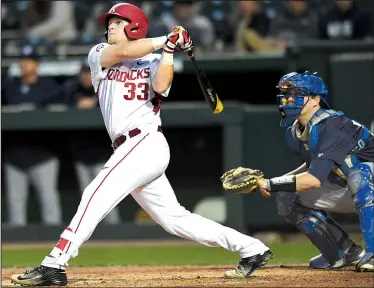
[138,26]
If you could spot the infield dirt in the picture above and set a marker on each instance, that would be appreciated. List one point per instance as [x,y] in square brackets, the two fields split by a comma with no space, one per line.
[207,276]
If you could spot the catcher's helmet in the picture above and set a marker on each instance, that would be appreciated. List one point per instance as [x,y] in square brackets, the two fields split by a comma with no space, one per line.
[299,85]
[138,26]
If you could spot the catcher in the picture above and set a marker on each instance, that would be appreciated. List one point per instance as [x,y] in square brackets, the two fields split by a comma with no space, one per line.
[337,174]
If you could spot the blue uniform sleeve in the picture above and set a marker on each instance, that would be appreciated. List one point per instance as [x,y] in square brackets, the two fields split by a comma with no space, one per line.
[333,142]
[321,168]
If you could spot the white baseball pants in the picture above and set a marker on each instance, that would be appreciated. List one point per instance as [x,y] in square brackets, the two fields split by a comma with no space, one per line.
[138,167]
[85,174]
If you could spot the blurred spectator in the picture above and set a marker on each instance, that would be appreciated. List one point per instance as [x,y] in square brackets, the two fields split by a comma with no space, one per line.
[89,153]
[30,89]
[80,91]
[219,13]
[252,28]
[28,159]
[292,23]
[345,20]
[52,20]
[185,14]
[10,17]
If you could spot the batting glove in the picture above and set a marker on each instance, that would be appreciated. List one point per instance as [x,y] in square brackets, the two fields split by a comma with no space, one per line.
[178,37]
[187,42]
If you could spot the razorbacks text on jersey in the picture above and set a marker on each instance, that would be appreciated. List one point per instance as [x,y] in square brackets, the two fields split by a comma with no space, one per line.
[125,91]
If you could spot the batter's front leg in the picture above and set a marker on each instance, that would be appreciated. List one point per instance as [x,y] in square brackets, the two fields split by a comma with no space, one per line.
[132,165]
[123,173]
[160,202]
[98,199]
[85,174]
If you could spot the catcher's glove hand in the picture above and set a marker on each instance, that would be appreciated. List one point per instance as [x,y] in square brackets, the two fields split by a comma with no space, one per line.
[241,180]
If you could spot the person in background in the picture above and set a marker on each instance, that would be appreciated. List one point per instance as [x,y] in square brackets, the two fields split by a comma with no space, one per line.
[28,159]
[296,22]
[253,28]
[186,15]
[80,91]
[90,155]
[52,20]
[345,20]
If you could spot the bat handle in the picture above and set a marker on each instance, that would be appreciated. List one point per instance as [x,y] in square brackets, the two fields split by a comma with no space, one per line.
[189,51]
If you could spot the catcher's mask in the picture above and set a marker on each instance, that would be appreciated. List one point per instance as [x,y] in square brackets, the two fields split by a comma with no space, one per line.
[293,88]
[138,21]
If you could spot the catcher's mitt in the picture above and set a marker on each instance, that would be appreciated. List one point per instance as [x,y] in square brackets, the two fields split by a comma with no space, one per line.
[241,180]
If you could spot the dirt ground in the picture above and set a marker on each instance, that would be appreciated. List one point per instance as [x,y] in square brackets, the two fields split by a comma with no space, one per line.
[197,276]
[207,276]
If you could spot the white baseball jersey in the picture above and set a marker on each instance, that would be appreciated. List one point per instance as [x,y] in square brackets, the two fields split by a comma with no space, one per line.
[127,99]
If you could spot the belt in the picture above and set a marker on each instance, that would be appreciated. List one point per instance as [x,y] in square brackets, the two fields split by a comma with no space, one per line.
[132,133]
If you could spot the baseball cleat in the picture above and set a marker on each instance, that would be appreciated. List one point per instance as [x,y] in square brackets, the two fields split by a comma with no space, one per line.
[366,263]
[352,257]
[249,265]
[41,276]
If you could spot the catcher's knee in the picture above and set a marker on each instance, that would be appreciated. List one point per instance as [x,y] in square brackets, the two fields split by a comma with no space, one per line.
[290,208]
[360,183]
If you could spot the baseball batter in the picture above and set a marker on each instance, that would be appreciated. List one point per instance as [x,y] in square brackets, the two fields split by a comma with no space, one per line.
[130,83]
[338,156]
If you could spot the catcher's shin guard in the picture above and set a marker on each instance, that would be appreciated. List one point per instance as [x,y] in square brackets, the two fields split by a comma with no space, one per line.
[360,183]
[41,276]
[328,237]
[324,232]
[249,265]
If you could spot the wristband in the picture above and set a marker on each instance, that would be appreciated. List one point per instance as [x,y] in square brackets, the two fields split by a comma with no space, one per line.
[283,183]
[158,42]
[169,47]
[167,58]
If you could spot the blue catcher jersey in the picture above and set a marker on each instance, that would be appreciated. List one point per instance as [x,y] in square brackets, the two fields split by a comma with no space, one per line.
[335,137]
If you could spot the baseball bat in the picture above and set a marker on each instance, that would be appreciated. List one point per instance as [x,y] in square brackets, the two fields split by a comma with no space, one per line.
[209,92]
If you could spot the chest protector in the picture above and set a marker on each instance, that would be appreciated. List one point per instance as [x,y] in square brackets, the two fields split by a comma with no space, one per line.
[311,133]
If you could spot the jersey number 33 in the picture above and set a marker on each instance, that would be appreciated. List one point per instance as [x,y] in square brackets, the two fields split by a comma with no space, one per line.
[140,91]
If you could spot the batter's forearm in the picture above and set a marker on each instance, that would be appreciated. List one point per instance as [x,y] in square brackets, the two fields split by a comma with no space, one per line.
[142,47]
[301,169]
[114,54]
[164,74]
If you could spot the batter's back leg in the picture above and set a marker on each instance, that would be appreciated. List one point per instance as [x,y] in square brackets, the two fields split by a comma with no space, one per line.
[159,201]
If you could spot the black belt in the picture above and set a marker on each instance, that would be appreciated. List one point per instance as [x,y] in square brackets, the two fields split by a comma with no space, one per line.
[132,133]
